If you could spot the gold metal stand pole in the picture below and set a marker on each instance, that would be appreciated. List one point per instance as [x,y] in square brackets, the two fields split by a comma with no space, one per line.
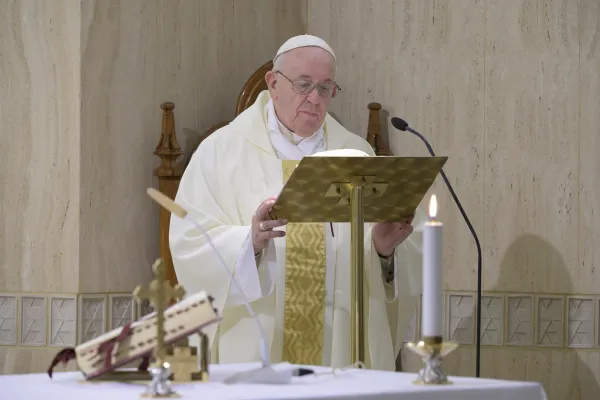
[357,235]
[204,360]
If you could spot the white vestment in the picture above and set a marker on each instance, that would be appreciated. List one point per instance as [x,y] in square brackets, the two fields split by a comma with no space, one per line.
[231,173]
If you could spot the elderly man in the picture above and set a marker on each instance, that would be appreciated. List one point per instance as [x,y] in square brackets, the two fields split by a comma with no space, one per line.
[296,276]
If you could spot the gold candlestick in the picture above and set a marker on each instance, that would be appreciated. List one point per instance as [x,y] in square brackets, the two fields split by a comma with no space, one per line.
[433,350]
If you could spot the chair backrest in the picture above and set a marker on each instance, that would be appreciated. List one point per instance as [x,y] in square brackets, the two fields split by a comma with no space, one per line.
[254,85]
[252,88]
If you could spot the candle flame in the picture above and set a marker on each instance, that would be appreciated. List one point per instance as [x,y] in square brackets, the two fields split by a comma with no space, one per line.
[433,207]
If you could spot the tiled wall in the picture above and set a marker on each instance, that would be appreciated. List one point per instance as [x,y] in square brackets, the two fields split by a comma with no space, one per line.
[507,319]
[553,339]
[526,320]
[28,320]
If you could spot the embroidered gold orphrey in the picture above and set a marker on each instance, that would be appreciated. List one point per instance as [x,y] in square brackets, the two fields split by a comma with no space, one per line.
[304,309]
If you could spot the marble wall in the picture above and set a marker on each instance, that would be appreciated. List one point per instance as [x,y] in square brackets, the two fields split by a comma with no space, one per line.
[509,90]
[82,82]
[39,173]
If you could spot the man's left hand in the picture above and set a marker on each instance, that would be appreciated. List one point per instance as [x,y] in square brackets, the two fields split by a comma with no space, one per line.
[388,235]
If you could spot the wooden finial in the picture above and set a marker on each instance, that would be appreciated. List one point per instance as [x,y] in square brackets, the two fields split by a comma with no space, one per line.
[169,174]
[374,130]
[167,105]
[168,149]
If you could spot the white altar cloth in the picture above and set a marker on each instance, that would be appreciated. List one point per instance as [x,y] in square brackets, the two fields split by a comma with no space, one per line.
[348,384]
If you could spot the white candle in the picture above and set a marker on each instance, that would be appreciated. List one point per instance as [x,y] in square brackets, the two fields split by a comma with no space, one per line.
[432,315]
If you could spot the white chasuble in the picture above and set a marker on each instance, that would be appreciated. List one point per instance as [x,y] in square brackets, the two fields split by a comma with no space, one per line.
[300,289]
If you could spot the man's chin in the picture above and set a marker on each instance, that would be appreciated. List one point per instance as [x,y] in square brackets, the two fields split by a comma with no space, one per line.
[307,123]
[307,130]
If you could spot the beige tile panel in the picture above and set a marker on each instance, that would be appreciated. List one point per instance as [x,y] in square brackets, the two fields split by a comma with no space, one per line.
[33,327]
[520,319]
[121,310]
[62,321]
[492,319]
[461,317]
[581,321]
[92,313]
[8,319]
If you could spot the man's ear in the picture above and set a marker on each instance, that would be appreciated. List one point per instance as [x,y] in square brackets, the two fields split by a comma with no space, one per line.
[271,80]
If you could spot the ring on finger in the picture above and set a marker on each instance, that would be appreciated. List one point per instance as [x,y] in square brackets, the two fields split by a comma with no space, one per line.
[262,226]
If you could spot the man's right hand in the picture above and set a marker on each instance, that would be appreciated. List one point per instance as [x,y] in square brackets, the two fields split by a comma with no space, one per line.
[262,226]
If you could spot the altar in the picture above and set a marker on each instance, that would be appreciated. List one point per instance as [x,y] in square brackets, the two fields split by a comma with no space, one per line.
[353,383]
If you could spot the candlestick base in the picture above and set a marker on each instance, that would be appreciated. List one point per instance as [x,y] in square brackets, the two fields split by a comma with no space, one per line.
[433,350]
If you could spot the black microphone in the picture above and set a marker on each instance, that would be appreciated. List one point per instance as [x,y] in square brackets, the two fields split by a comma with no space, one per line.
[402,125]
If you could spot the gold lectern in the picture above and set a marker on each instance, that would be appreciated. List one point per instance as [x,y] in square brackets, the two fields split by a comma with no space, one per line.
[350,189]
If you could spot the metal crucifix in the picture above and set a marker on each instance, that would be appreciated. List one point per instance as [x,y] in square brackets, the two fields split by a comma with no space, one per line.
[159,293]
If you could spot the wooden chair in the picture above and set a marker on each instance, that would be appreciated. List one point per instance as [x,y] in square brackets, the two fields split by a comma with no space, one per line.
[169,172]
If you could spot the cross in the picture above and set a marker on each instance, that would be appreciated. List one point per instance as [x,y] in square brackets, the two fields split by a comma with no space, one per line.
[159,293]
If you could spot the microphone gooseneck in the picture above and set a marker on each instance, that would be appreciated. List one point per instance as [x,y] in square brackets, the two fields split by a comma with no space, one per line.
[264,349]
[402,125]
[267,373]
[182,213]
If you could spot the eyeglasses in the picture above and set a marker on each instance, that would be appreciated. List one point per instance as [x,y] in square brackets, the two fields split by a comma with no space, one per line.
[305,87]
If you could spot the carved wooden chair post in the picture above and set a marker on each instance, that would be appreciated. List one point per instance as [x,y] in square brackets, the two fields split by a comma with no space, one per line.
[169,175]
[374,130]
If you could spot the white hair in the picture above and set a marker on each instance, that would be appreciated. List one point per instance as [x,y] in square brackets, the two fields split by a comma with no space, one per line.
[279,61]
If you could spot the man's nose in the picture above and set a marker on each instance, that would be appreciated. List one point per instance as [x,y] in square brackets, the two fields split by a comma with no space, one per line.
[314,96]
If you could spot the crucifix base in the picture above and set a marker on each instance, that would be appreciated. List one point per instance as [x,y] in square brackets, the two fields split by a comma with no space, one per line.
[144,376]
[181,358]
[160,386]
